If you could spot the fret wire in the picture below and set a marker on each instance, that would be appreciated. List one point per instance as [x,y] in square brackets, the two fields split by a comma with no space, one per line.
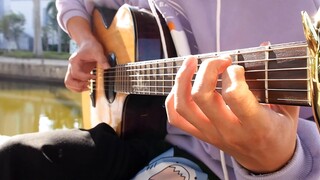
[146,71]
[266,74]
[163,77]
[309,64]
[130,73]
[122,78]
[236,61]
[172,76]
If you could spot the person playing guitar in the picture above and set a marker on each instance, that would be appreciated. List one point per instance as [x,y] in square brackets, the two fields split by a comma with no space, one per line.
[229,113]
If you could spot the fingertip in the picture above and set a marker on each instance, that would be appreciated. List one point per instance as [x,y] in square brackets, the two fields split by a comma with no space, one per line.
[102,61]
[234,79]
[236,72]
[190,61]
[105,65]
[227,58]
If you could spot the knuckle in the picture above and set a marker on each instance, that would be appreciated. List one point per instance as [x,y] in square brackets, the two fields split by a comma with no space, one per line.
[178,77]
[72,59]
[230,95]
[235,93]
[179,108]
[231,140]
[197,96]
[173,121]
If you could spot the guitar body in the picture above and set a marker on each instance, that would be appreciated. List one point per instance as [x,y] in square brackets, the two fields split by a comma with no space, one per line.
[126,40]
[130,95]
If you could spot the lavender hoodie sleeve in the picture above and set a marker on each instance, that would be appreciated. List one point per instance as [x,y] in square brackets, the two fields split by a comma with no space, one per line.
[84,8]
[305,164]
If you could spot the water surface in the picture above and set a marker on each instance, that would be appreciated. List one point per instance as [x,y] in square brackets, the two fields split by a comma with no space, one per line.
[31,107]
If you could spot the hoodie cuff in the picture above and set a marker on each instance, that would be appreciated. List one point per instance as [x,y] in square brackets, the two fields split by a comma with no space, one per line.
[297,168]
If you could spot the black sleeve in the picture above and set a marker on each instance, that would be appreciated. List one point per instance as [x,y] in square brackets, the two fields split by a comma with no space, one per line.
[97,153]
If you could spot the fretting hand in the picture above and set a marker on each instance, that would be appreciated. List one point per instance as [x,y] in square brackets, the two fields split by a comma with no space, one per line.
[260,137]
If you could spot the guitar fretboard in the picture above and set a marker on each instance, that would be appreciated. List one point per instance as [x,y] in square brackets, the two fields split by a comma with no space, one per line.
[277,74]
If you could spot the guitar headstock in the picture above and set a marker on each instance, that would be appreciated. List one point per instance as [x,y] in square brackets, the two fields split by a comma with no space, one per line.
[311,31]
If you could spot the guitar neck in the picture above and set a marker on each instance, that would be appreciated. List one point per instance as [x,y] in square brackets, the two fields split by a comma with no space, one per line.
[277,74]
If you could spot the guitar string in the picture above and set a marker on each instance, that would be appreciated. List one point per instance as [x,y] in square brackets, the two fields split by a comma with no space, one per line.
[109,73]
[165,90]
[169,84]
[291,99]
[205,56]
[231,53]
[131,73]
[181,59]
[124,80]
[127,75]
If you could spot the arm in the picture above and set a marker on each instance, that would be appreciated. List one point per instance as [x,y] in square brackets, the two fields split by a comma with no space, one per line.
[83,8]
[74,18]
[82,62]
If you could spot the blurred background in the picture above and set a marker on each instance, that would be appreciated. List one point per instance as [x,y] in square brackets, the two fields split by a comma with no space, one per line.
[34,54]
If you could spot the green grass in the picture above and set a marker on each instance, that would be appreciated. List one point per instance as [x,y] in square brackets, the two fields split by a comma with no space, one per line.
[28,54]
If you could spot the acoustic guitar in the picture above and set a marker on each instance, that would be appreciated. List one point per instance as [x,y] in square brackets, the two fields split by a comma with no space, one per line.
[130,95]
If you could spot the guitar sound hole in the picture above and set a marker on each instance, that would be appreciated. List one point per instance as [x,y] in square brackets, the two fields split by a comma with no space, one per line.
[109,76]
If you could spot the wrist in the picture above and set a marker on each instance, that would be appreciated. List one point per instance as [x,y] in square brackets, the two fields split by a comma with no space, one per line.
[298,166]
[80,31]
[270,159]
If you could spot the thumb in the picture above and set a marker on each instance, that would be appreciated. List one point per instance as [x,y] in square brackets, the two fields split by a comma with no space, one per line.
[102,61]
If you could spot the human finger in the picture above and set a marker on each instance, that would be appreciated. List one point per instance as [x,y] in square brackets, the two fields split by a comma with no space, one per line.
[176,119]
[238,97]
[204,90]
[75,84]
[81,66]
[93,51]
[183,100]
